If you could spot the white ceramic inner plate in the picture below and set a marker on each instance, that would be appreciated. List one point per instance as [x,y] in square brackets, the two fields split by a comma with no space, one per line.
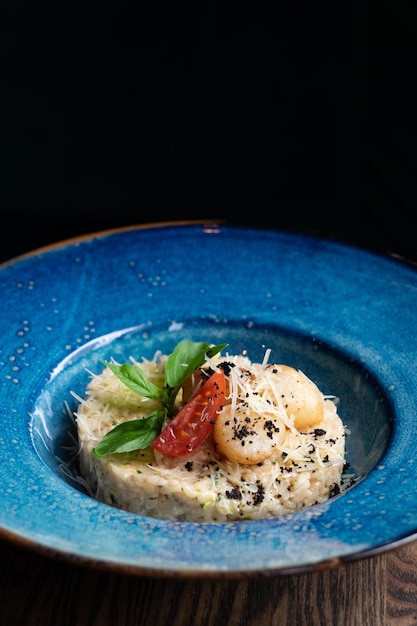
[345,316]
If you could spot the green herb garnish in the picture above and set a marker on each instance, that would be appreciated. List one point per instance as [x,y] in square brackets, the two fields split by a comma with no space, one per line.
[139,433]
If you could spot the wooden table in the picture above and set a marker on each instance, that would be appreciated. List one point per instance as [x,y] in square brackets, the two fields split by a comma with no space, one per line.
[38,590]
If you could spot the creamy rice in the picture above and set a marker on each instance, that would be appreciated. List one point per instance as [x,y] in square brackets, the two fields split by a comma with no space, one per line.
[305,469]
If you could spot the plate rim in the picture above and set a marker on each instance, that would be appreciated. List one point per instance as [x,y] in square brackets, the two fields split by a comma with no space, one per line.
[10,535]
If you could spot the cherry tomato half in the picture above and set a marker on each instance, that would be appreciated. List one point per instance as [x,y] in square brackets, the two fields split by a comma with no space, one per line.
[195,420]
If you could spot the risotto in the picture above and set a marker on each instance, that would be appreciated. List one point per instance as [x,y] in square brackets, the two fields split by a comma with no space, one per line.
[276,443]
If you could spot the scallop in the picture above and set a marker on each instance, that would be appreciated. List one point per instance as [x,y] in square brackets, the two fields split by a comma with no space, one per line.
[300,397]
[246,437]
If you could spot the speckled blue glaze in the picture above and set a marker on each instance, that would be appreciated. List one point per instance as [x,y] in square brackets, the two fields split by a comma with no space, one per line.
[346,316]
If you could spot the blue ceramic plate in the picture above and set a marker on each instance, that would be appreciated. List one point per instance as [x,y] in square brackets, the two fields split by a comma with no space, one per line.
[345,316]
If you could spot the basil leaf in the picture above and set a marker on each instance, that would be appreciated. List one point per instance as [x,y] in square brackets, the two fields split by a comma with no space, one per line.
[132,435]
[138,434]
[186,358]
[134,378]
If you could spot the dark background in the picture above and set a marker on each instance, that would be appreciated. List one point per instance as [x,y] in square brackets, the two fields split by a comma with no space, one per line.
[298,116]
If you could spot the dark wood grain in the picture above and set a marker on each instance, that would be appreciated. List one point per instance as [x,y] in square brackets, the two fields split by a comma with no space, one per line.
[401,591]
[36,590]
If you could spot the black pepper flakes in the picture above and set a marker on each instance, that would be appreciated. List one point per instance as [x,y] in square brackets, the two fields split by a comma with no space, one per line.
[335,490]
[234,494]
[259,496]
[227,367]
